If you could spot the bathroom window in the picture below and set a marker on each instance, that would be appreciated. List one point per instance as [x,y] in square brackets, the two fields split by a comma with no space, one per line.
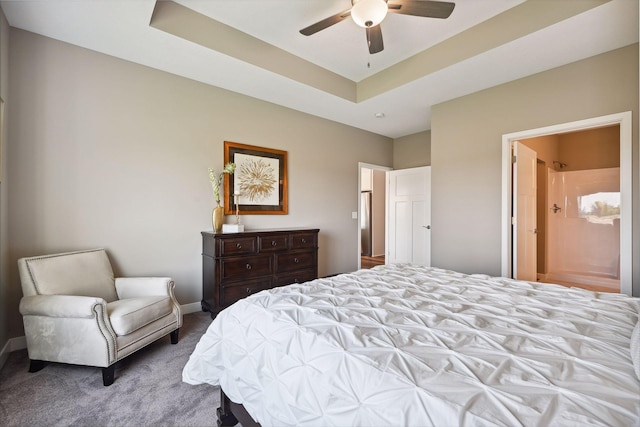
[601,208]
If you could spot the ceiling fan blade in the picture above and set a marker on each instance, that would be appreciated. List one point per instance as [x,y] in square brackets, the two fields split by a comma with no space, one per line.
[374,39]
[325,23]
[426,8]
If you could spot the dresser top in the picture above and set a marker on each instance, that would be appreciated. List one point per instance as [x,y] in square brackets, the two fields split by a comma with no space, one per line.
[264,230]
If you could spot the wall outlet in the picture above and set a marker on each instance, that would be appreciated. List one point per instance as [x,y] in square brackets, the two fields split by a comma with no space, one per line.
[354,215]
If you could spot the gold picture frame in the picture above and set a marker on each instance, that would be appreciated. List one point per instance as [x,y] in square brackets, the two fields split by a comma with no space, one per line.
[259,184]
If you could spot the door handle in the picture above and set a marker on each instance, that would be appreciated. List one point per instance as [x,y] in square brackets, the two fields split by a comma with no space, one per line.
[428,227]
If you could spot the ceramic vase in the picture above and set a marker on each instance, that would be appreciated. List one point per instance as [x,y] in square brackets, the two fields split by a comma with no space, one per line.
[217,218]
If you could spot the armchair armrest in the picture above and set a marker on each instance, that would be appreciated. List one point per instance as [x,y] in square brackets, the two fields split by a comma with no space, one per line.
[133,287]
[66,306]
[68,329]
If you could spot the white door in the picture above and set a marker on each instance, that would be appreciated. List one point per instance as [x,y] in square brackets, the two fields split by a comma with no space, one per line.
[409,216]
[524,212]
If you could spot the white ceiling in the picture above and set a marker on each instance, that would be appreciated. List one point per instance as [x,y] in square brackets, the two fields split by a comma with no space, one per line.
[121,28]
[342,48]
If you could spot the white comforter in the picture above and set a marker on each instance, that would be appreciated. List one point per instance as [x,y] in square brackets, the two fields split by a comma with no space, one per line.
[408,345]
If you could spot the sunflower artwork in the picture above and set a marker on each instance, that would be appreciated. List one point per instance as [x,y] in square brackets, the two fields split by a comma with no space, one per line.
[259,183]
[257,180]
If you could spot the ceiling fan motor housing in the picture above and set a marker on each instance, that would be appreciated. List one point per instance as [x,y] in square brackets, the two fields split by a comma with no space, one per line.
[368,13]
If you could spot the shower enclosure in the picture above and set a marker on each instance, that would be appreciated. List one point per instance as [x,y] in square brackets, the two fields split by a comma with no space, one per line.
[583,229]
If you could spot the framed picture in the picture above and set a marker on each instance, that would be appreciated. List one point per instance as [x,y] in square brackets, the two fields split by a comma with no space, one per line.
[259,184]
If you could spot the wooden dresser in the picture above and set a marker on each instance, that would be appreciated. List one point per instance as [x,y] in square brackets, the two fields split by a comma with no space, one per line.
[235,265]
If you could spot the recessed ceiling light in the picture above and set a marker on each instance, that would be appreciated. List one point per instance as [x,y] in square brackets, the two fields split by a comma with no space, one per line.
[379,115]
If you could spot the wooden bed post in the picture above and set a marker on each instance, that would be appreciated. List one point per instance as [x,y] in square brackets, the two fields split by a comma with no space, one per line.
[225,416]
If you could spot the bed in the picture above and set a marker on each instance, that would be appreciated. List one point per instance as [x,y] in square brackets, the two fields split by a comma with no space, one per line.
[409,345]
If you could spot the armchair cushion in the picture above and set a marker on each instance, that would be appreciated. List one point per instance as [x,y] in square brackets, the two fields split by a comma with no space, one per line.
[133,287]
[131,314]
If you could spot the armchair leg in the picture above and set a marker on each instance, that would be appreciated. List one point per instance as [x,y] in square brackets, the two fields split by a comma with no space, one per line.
[36,365]
[108,375]
[174,336]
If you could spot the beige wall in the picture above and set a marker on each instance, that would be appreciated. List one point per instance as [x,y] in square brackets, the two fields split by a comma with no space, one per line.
[466,150]
[588,149]
[546,148]
[592,149]
[7,308]
[113,154]
[412,151]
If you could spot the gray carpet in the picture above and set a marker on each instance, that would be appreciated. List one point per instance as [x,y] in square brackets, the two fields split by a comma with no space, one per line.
[148,389]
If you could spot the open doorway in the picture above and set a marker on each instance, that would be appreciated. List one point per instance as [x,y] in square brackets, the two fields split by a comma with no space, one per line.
[577,209]
[371,214]
[620,267]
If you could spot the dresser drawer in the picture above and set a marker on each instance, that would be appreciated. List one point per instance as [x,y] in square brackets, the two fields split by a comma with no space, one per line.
[235,265]
[239,290]
[290,261]
[272,243]
[244,267]
[304,240]
[238,246]
[295,277]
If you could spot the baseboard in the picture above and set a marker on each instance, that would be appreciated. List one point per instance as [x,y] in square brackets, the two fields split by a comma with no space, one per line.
[17,343]
[194,307]
[13,344]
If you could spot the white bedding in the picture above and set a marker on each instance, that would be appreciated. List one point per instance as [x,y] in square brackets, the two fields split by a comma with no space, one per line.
[409,345]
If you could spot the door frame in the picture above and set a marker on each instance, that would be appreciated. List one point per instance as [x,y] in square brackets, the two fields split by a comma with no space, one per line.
[356,215]
[624,120]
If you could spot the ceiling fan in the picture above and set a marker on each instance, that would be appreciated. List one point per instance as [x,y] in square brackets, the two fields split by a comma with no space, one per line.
[370,13]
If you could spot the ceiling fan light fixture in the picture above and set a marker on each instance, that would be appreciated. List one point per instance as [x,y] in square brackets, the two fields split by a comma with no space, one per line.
[369,13]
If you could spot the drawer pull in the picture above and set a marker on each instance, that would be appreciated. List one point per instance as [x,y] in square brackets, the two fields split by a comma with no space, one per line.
[274,243]
[303,240]
[296,260]
[248,266]
[249,291]
[238,245]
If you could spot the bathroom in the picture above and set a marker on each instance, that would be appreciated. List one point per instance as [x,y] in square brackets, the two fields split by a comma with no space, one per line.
[578,208]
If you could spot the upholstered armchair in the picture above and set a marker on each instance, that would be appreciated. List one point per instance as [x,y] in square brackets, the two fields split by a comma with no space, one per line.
[75,311]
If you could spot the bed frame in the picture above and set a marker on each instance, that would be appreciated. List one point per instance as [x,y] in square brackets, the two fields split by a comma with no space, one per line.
[230,413]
